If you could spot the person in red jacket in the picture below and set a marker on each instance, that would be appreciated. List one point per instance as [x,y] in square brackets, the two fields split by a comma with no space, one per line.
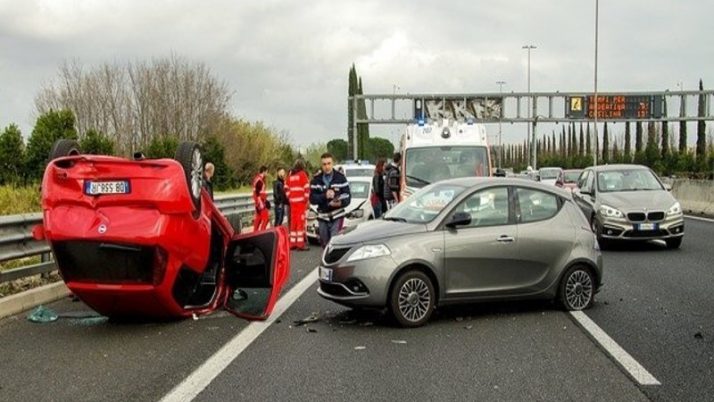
[260,198]
[297,189]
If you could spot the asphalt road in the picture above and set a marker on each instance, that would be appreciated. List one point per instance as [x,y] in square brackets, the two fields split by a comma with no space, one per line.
[656,304]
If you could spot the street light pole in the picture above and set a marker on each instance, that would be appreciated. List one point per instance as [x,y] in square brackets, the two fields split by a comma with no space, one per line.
[596,100]
[500,143]
[531,136]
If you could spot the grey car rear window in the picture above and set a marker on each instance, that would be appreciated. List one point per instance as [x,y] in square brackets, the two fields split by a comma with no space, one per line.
[536,205]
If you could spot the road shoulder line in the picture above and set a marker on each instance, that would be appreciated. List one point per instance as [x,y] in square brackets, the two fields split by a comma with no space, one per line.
[635,369]
[200,378]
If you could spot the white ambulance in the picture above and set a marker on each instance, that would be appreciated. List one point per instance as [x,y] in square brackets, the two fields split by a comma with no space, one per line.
[443,149]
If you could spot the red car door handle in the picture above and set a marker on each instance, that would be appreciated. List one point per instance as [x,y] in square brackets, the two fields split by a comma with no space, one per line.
[505,239]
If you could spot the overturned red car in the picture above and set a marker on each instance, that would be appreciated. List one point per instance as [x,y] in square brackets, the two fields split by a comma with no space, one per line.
[142,238]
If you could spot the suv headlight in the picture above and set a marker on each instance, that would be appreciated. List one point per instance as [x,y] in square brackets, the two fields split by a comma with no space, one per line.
[356,214]
[610,212]
[369,251]
[675,209]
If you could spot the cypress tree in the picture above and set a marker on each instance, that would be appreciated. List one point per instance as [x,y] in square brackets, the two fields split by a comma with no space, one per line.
[638,137]
[351,91]
[628,144]
[605,145]
[701,132]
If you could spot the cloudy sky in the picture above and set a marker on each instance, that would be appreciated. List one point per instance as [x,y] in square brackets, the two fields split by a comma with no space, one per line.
[287,61]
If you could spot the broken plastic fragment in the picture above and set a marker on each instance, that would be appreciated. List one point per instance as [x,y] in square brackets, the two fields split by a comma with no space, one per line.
[314,317]
[41,314]
[310,330]
[360,347]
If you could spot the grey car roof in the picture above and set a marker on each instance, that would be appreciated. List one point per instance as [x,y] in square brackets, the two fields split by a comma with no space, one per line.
[608,168]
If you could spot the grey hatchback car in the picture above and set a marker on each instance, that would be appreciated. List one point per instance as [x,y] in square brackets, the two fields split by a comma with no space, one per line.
[466,240]
[629,202]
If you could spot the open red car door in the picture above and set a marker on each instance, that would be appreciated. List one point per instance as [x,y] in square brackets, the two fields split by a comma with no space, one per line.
[256,268]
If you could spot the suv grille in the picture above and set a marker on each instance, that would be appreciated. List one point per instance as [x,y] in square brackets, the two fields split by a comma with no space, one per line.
[636,216]
[655,216]
[333,255]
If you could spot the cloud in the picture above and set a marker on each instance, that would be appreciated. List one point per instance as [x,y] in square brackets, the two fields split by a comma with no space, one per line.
[288,61]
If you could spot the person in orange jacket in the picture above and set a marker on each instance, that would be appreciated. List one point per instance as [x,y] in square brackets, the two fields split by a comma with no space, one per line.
[297,189]
[260,198]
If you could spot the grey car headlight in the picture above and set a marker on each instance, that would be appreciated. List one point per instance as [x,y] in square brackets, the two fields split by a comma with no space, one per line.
[610,212]
[675,209]
[369,251]
[356,214]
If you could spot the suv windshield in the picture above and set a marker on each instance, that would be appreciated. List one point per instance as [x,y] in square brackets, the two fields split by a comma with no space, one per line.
[627,180]
[425,204]
[431,164]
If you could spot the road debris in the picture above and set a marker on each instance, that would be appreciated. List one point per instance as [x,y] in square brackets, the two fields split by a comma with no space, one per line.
[42,314]
[310,330]
[698,335]
[360,347]
[468,327]
[399,341]
[459,319]
[314,317]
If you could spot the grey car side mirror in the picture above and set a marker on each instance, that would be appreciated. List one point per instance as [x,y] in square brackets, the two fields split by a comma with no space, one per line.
[459,219]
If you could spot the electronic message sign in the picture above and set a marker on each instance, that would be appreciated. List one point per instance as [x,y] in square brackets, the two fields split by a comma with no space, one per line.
[614,107]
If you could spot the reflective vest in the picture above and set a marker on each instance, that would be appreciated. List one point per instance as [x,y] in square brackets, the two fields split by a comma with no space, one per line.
[297,187]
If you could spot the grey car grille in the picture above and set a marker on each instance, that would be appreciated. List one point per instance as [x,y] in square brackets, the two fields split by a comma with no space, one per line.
[333,255]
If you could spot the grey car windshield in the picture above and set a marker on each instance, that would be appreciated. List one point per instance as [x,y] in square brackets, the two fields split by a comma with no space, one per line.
[359,188]
[431,164]
[627,180]
[424,205]
[546,174]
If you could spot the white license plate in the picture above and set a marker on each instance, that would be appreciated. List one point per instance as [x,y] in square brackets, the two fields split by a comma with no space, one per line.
[326,274]
[646,226]
[106,187]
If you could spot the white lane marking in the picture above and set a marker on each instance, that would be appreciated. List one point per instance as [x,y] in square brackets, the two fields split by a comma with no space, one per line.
[635,369]
[697,218]
[189,388]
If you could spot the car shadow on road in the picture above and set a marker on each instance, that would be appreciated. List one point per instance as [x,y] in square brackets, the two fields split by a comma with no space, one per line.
[365,318]
[637,246]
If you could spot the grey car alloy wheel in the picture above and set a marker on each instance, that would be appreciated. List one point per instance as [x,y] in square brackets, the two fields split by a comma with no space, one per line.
[578,292]
[414,299]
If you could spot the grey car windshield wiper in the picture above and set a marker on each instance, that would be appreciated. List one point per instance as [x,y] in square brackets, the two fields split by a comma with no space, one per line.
[418,179]
[394,218]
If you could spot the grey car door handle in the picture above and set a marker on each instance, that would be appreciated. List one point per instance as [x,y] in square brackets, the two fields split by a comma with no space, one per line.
[505,239]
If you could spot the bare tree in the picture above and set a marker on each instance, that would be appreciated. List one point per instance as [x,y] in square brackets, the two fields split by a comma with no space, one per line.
[132,103]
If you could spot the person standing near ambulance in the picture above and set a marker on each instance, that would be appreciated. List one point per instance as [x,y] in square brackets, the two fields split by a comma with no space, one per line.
[260,199]
[330,191]
[297,189]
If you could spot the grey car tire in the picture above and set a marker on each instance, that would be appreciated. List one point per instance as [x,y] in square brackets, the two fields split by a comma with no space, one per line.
[577,288]
[412,299]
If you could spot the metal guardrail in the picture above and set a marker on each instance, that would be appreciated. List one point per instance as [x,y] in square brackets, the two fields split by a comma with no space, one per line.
[16,239]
